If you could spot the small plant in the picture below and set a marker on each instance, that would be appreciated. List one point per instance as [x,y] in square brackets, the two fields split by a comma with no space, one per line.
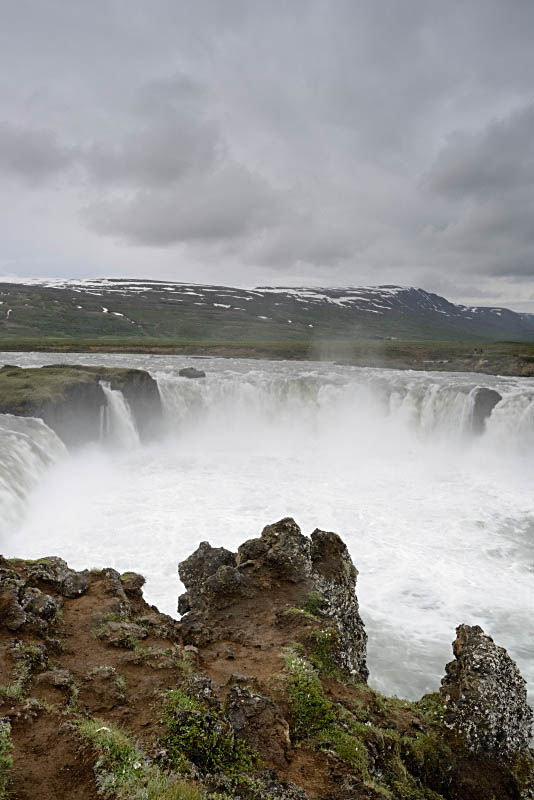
[28,657]
[122,770]
[201,736]
[6,762]
[323,645]
[314,603]
[311,712]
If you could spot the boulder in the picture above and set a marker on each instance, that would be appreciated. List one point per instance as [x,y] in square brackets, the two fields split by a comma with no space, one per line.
[485,401]
[258,721]
[485,696]
[57,573]
[191,372]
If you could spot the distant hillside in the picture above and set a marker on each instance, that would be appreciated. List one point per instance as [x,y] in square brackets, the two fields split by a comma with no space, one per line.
[134,309]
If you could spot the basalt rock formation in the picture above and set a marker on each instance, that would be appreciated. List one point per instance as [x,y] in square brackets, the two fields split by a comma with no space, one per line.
[70,398]
[257,693]
[279,571]
[484,402]
[485,696]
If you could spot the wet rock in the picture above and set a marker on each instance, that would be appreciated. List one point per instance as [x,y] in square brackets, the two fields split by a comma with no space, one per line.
[58,574]
[486,696]
[258,721]
[484,402]
[191,372]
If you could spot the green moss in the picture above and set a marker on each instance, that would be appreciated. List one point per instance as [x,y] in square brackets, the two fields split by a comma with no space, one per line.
[124,772]
[314,603]
[323,645]
[200,736]
[299,612]
[28,656]
[6,762]
[311,711]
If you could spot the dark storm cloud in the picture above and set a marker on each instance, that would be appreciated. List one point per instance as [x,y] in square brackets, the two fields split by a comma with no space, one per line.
[346,142]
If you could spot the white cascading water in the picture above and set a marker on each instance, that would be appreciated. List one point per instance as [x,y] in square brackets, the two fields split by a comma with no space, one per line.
[27,448]
[439,522]
[117,423]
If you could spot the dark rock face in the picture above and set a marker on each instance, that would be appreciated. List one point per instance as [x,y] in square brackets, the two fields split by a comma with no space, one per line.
[485,402]
[486,696]
[258,721]
[191,372]
[58,574]
[281,568]
[70,399]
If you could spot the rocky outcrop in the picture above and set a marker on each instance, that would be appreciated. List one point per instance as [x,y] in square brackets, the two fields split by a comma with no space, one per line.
[281,568]
[485,696]
[191,372]
[485,401]
[255,694]
[71,400]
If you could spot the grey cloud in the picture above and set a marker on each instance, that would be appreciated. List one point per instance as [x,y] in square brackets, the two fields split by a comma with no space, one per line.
[498,158]
[222,205]
[351,141]
[32,154]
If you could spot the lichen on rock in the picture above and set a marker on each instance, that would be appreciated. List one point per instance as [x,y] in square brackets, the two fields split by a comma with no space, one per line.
[485,696]
[282,567]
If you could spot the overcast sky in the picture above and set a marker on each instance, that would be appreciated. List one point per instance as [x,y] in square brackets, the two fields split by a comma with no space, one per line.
[246,142]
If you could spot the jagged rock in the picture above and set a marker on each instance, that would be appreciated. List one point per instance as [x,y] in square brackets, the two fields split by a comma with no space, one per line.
[122,634]
[133,583]
[12,614]
[484,402]
[55,571]
[195,571]
[281,567]
[39,604]
[486,696]
[191,372]
[259,722]
[335,577]
[275,789]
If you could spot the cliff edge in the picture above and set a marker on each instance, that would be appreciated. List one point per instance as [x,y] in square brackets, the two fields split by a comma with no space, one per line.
[259,691]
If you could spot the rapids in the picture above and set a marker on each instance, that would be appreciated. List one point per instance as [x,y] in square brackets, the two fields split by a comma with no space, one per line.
[439,522]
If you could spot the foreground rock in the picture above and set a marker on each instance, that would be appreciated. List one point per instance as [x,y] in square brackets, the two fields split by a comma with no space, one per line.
[258,693]
[486,696]
[280,570]
[70,398]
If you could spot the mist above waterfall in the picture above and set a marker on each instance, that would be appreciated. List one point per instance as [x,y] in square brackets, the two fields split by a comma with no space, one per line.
[438,520]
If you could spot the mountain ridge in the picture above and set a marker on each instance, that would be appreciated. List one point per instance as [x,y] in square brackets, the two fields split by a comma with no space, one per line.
[123,307]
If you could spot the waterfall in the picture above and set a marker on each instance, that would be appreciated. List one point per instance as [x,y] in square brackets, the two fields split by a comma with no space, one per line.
[117,423]
[428,405]
[28,447]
